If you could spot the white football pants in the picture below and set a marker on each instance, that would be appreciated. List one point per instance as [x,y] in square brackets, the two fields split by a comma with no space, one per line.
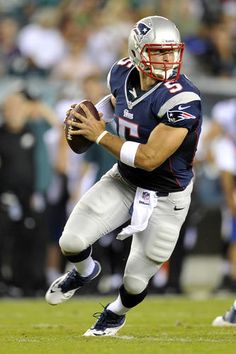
[106,206]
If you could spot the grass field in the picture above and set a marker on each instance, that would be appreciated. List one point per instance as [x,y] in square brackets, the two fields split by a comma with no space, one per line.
[159,325]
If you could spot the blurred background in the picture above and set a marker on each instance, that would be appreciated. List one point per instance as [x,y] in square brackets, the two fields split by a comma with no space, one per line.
[57,52]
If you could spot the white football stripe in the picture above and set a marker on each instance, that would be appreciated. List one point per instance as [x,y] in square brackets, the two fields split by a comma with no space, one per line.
[180,98]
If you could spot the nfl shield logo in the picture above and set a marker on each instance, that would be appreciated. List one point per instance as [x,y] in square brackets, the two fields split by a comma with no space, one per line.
[145,198]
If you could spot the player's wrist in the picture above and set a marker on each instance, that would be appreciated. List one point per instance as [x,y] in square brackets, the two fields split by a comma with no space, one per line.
[100,136]
[128,152]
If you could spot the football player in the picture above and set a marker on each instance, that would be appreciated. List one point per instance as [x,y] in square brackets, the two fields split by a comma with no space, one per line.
[158,116]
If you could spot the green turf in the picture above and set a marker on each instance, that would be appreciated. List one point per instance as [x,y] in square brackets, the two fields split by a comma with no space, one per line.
[167,325]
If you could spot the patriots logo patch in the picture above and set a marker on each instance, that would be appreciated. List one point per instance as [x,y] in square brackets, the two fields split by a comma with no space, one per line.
[176,116]
[142,30]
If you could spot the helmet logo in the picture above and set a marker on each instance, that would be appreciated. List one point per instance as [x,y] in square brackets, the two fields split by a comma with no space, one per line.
[141,30]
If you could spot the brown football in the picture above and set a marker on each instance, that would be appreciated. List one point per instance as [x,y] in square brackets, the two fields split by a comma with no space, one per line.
[79,143]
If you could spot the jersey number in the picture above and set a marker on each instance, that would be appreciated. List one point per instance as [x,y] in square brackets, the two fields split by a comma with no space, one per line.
[125,62]
[127,128]
[173,87]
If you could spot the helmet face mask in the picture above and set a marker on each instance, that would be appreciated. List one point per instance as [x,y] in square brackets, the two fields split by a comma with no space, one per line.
[155,48]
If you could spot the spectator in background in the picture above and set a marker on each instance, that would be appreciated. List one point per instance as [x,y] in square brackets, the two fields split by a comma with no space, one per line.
[221,54]
[111,26]
[25,177]
[69,67]
[50,161]
[17,173]
[23,235]
[41,41]
[227,165]
[223,129]
[12,62]
[185,13]
[213,42]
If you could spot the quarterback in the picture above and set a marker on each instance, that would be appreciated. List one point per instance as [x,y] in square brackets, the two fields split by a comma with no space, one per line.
[158,117]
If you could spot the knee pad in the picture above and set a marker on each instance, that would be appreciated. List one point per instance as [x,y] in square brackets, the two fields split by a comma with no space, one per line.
[160,249]
[138,271]
[134,285]
[72,244]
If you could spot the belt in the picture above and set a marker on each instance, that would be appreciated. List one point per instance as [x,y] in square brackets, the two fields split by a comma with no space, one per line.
[162,194]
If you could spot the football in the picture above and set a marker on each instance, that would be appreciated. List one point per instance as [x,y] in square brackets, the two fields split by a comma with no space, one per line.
[79,143]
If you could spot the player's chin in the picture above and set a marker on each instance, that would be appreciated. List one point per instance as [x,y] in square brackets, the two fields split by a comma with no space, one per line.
[163,68]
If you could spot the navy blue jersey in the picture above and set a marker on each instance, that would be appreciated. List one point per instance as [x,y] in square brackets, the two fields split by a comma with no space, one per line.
[137,113]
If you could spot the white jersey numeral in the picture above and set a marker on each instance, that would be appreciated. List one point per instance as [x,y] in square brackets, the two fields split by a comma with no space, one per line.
[127,127]
[173,87]
[125,62]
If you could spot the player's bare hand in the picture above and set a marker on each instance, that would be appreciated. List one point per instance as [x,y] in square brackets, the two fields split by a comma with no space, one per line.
[87,125]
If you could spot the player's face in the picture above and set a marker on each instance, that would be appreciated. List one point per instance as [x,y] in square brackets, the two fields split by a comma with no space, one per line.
[162,59]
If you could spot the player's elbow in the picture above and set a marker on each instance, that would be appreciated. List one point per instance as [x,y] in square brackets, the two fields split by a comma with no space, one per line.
[148,165]
[147,160]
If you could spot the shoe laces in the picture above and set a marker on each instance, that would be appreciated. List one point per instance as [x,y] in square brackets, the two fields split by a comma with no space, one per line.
[72,281]
[106,318]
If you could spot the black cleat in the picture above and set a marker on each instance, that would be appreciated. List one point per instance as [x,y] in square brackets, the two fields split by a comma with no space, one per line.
[108,324]
[63,288]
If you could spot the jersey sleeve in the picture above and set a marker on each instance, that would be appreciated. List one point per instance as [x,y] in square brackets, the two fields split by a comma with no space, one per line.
[117,75]
[184,115]
[178,104]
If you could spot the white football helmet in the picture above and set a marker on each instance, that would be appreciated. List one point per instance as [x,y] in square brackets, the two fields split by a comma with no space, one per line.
[150,35]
